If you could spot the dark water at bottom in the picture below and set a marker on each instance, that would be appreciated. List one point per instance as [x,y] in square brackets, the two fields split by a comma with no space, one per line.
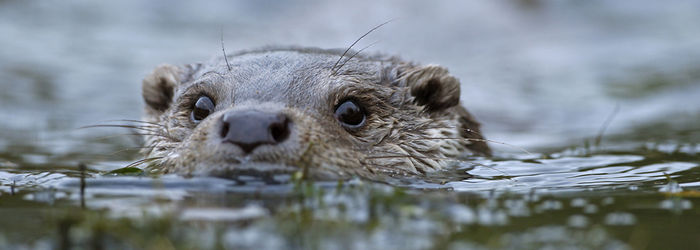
[642,197]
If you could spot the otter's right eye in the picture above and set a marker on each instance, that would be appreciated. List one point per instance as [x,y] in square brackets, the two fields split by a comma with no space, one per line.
[202,108]
[350,115]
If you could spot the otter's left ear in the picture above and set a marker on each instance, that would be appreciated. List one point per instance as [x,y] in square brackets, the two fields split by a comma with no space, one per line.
[433,87]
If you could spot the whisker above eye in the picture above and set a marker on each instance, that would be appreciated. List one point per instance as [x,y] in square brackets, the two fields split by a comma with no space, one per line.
[333,69]
[353,55]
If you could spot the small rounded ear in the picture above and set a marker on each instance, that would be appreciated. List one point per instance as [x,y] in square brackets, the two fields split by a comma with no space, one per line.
[158,87]
[433,87]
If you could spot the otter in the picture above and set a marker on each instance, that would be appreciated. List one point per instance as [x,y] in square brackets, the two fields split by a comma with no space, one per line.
[306,110]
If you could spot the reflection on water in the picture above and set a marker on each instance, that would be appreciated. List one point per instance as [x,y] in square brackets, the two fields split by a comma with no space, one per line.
[562,201]
[539,75]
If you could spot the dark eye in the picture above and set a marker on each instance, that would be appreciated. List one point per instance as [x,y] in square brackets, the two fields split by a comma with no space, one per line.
[202,108]
[350,115]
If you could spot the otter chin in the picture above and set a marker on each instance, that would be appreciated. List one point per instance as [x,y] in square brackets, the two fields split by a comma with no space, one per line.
[290,109]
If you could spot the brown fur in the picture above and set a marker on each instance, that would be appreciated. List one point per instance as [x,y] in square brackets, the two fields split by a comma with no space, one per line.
[414,122]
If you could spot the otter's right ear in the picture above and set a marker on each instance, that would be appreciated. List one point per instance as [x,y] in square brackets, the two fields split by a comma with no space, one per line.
[158,87]
[433,87]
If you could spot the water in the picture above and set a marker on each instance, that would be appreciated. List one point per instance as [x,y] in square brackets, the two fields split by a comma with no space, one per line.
[540,76]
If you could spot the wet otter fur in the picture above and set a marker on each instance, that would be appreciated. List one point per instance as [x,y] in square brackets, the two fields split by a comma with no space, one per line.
[290,109]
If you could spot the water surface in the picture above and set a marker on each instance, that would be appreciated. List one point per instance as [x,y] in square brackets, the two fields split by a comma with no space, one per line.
[541,77]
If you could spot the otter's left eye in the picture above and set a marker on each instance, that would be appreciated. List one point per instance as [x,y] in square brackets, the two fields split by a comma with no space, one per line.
[202,108]
[350,115]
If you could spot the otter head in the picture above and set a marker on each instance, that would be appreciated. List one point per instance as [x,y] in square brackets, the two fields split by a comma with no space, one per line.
[290,109]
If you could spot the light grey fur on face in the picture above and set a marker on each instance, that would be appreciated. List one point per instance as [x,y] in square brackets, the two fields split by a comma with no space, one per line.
[414,123]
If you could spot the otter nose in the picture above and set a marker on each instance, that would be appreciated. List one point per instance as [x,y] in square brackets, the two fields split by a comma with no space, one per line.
[250,129]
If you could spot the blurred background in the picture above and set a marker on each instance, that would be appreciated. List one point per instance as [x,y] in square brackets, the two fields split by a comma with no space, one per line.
[543,75]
